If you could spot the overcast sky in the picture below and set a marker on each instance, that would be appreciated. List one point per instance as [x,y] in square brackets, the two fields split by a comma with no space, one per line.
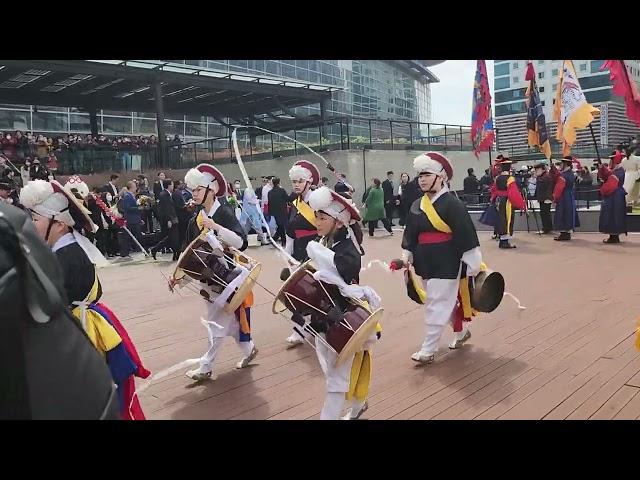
[451,98]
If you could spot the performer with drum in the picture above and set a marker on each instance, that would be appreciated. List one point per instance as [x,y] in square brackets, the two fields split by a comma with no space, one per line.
[58,218]
[301,228]
[336,258]
[441,242]
[217,224]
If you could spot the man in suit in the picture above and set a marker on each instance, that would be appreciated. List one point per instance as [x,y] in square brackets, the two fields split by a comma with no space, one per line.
[168,221]
[181,212]
[342,187]
[158,185]
[278,199]
[389,199]
[133,217]
[111,189]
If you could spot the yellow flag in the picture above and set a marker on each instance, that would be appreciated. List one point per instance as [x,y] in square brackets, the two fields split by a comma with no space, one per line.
[571,110]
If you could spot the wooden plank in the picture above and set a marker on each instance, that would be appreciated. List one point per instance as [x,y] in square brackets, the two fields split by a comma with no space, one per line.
[631,410]
[616,403]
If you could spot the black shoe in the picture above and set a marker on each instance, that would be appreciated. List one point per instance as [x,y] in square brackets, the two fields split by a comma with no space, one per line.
[612,239]
[563,237]
[175,257]
[154,252]
[505,244]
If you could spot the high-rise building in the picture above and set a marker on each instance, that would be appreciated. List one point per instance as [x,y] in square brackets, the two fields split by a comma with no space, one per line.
[397,90]
[610,127]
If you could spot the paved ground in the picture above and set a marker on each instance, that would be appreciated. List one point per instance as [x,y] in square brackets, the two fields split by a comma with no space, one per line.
[570,354]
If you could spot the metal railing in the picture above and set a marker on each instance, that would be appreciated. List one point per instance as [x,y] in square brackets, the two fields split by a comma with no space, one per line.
[342,133]
[586,198]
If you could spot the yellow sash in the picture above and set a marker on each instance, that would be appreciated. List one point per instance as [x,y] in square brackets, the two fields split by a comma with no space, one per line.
[427,207]
[200,222]
[305,210]
[102,335]
[360,376]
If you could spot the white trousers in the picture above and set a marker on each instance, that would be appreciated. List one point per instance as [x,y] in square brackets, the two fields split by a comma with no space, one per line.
[231,328]
[442,295]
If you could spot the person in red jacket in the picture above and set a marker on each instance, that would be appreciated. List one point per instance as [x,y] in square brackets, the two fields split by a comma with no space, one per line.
[508,199]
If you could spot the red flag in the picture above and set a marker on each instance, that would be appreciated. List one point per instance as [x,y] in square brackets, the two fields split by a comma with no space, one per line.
[624,86]
[482,132]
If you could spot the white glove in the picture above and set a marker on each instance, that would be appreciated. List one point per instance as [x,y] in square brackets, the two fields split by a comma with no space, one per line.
[472,258]
[407,256]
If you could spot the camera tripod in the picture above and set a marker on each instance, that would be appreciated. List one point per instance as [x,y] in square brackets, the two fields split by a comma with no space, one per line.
[530,207]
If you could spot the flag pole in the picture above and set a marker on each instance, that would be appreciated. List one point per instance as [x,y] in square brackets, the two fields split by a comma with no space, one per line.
[595,144]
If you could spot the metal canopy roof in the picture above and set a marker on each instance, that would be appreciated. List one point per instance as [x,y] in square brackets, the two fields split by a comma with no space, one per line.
[129,86]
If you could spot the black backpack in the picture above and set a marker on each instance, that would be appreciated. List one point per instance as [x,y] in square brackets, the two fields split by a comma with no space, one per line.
[48,367]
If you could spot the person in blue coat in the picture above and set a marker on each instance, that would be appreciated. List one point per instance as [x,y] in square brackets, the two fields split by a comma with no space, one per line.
[613,211]
[566,217]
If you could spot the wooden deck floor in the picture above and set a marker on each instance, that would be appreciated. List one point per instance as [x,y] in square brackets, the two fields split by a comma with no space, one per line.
[569,355]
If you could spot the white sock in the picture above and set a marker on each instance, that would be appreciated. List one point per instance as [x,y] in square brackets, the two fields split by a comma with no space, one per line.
[460,335]
[356,405]
[333,405]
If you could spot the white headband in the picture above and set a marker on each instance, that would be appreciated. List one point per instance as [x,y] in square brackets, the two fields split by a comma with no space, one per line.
[298,172]
[424,163]
[322,199]
[195,178]
[39,196]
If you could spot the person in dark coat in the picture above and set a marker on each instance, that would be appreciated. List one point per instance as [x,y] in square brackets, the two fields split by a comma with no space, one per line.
[168,221]
[182,212]
[566,217]
[613,211]
[544,194]
[278,199]
[389,199]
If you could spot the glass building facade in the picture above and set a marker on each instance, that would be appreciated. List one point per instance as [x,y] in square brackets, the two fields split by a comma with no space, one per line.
[370,88]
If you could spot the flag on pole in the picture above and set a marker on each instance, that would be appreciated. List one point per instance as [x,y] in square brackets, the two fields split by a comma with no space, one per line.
[536,125]
[624,86]
[571,111]
[482,132]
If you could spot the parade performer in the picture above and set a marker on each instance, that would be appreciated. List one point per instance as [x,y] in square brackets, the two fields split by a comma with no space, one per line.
[544,194]
[337,259]
[566,217]
[613,211]
[218,224]
[507,198]
[441,242]
[301,228]
[58,218]
[631,166]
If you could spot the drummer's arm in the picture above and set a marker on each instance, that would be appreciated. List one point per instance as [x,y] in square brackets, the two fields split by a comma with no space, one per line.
[229,237]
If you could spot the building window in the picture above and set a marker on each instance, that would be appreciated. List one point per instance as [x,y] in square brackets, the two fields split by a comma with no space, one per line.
[543,102]
[555,72]
[501,69]
[502,82]
[595,65]
[515,65]
[540,75]
[540,62]
[516,79]
[598,95]
[510,109]
[595,81]
[510,95]
[554,87]
[541,89]
[583,67]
